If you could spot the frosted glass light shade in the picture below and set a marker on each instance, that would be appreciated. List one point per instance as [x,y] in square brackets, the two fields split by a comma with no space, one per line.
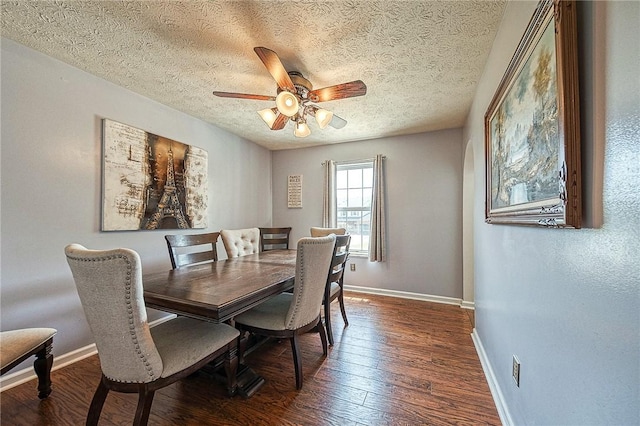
[287,103]
[302,130]
[269,116]
[323,117]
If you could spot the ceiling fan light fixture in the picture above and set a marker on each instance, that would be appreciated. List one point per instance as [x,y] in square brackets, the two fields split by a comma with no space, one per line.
[269,116]
[323,117]
[287,103]
[302,129]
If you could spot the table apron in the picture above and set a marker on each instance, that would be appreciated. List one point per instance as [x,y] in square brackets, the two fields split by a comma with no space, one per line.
[221,314]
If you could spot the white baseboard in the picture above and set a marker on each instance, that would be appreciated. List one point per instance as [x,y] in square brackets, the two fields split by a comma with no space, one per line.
[467,305]
[22,376]
[498,399]
[405,295]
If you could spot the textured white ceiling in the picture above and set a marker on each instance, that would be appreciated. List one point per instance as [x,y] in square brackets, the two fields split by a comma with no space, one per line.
[420,60]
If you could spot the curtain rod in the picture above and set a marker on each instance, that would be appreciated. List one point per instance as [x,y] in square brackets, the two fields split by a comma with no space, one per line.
[364,160]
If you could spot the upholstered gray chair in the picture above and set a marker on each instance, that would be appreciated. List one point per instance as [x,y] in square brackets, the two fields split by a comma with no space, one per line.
[241,242]
[335,283]
[290,314]
[135,358]
[19,345]
[274,238]
[182,248]
[321,232]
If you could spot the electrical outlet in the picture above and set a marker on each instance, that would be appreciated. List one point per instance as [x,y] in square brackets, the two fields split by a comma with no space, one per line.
[515,370]
[353,266]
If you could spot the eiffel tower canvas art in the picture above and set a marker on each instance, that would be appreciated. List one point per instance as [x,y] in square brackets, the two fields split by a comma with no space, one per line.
[151,182]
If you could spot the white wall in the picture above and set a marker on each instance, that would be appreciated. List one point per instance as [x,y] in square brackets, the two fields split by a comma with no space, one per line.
[567,302]
[424,208]
[51,184]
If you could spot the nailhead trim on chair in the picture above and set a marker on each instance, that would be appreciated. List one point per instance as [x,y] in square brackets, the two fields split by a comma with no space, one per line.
[132,331]
[302,263]
[297,305]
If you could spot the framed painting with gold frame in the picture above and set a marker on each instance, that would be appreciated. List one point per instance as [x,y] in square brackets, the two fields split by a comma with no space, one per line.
[532,127]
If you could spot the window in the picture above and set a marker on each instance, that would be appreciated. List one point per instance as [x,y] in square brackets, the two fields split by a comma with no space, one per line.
[354,186]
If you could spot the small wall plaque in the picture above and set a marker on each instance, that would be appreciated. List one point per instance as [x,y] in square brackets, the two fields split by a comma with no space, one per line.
[294,192]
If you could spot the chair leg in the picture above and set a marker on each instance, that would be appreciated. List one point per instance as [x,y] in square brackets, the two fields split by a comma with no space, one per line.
[297,360]
[42,366]
[96,403]
[145,399]
[327,321]
[344,313]
[323,337]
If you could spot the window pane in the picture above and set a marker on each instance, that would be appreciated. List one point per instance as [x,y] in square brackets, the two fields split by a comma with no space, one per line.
[355,197]
[341,179]
[341,197]
[355,178]
[367,195]
[357,223]
[367,177]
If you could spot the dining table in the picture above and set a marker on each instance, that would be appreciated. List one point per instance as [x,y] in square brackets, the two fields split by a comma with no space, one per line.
[218,291]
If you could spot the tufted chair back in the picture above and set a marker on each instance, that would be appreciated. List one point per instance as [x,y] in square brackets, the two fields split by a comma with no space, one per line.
[109,283]
[323,232]
[241,242]
[312,263]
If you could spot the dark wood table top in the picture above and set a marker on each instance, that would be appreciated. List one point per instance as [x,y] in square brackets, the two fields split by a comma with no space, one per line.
[220,290]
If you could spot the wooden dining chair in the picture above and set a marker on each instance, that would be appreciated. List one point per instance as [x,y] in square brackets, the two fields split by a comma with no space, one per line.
[136,358]
[274,238]
[241,242]
[288,315]
[335,283]
[321,232]
[181,248]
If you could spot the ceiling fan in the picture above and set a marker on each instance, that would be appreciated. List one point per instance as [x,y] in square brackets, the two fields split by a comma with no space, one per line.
[296,98]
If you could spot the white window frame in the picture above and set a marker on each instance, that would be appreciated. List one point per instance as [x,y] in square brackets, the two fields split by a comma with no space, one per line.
[353,165]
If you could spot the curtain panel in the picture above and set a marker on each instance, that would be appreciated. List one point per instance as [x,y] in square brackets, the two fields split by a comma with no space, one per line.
[329,195]
[377,239]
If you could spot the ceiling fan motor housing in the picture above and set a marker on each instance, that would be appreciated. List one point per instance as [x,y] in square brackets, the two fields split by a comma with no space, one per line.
[302,85]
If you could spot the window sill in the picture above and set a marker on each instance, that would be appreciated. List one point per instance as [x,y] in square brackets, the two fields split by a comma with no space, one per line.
[362,254]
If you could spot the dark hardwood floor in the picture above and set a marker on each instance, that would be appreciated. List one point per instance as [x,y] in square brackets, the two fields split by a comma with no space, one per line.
[399,362]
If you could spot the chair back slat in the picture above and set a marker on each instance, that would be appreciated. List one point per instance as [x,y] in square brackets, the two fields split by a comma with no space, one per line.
[182,248]
[338,263]
[193,258]
[274,238]
[337,268]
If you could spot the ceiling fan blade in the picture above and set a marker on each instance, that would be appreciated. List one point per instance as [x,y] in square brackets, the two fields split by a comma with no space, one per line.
[339,91]
[281,121]
[337,122]
[244,96]
[271,60]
